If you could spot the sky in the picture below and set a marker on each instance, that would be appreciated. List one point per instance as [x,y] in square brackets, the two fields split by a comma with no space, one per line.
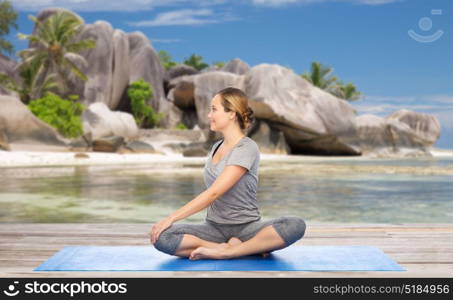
[398,53]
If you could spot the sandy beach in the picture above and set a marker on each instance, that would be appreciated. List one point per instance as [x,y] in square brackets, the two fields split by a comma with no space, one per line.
[47,159]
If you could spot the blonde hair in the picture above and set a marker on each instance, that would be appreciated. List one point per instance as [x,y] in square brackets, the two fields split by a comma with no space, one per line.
[236,100]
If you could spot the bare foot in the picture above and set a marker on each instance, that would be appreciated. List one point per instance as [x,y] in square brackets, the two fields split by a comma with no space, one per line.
[234,241]
[206,253]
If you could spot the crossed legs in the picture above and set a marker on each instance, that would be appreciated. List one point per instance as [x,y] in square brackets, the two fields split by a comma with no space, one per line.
[266,240]
[208,241]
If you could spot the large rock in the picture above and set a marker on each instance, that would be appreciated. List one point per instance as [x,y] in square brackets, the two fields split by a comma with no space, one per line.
[377,136]
[145,63]
[19,125]
[268,139]
[312,120]
[236,66]
[108,144]
[180,70]
[425,127]
[117,60]
[107,67]
[101,122]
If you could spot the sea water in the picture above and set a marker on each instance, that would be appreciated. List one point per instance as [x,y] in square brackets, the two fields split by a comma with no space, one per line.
[416,190]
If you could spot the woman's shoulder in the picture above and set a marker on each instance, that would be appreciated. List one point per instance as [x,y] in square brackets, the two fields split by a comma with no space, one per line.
[249,143]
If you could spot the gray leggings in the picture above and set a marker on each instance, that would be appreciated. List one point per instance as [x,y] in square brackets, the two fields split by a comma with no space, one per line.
[290,229]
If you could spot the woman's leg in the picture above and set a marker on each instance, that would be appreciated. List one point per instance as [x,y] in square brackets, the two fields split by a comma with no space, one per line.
[182,239]
[260,237]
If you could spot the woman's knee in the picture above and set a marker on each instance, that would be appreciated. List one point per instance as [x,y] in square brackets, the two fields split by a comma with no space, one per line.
[168,241]
[290,229]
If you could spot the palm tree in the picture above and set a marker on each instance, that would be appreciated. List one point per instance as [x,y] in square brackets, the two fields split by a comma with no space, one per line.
[321,76]
[196,61]
[28,88]
[348,92]
[54,47]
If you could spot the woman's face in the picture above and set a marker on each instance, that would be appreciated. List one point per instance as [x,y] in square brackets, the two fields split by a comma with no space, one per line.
[219,119]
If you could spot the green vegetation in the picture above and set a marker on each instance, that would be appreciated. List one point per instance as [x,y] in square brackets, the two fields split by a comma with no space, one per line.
[8,18]
[139,93]
[181,126]
[321,76]
[219,64]
[64,115]
[55,49]
[166,59]
[28,87]
[196,61]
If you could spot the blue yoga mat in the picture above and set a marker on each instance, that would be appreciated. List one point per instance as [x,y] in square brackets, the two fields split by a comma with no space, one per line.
[293,258]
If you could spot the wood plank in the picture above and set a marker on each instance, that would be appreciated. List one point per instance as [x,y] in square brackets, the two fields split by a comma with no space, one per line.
[425,250]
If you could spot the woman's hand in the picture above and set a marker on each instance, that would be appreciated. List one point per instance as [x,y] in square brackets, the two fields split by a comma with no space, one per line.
[157,229]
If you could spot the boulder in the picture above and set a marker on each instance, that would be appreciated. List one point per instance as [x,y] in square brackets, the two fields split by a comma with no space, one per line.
[83,143]
[425,127]
[145,63]
[108,144]
[236,66]
[198,149]
[100,121]
[269,140]
[140,147]
[107,67]
[377,136]
[180,70]
[19,125]
[183,95]
[117,60]
[312,120]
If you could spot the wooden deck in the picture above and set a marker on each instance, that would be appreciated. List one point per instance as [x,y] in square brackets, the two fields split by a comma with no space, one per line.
[425,250]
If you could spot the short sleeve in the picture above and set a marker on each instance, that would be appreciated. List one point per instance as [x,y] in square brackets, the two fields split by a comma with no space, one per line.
[244,155]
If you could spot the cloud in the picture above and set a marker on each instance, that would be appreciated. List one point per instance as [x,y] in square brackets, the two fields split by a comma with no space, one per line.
[186,17]
[179,17]
[144,5]
[101,5]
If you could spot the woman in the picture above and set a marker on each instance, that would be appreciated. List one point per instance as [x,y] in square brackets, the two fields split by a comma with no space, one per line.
[232,227]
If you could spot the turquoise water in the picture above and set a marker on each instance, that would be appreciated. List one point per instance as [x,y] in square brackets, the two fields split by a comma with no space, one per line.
[143,194]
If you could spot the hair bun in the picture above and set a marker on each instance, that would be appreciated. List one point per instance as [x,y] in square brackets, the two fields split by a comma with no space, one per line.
[248,115]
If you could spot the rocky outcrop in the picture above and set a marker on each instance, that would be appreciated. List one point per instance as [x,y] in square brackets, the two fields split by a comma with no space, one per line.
[19,125]
[270,140]
[425,127]
[236,66]
[293,116]
[145,63]
[180,70]
[117,60]
[100,121]
[401,133]
[108,144]
[312,120]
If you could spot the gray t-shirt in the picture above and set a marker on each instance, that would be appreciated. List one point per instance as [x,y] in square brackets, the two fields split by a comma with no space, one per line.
[239,204]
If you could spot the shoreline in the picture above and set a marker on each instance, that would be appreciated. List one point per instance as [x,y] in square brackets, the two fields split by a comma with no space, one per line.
[50,159]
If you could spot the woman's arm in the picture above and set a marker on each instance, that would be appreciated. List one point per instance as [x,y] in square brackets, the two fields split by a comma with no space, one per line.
[227,179]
